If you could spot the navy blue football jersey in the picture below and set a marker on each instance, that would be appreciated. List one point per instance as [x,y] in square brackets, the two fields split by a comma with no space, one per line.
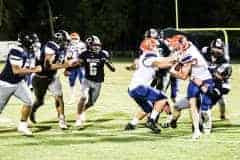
[16,56]
[50,48]
[93,64]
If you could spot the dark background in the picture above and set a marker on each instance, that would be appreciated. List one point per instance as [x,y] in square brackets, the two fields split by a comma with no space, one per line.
[120,24]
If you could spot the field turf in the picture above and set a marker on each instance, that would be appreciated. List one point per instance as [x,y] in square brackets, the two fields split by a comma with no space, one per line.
[104,138]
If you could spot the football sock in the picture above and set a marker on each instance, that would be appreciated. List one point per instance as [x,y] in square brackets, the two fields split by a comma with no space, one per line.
[154,114]
[134,121]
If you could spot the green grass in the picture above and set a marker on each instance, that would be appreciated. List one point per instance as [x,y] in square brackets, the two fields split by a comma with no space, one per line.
[104,138]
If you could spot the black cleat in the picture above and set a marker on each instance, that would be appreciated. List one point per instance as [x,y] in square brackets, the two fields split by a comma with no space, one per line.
[32,117]
[152,125]
[165,125]
[173,124]
[129,126]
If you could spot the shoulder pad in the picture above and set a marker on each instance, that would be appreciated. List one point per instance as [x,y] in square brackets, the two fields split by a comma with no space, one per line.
[17,48]
[52,45]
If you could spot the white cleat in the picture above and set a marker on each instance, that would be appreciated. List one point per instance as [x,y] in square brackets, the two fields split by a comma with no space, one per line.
[207,122]
[62,123]
[23,129]
[207,131]
[79,123]
[196,135]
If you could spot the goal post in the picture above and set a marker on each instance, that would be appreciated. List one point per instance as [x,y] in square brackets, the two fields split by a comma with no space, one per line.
[223,30]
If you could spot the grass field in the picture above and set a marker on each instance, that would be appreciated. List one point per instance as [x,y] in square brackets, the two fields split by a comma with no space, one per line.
[104,138]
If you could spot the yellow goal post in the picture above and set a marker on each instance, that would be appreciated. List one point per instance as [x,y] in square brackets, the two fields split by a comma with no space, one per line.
[223,30]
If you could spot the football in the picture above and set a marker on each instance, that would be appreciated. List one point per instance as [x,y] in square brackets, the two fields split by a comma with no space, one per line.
[178,66]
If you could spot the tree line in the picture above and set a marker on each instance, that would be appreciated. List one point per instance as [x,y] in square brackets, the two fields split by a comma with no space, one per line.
[119,23]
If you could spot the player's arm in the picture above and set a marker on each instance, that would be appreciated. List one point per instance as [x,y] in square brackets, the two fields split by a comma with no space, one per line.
[23,71]
[107,61]
[110,65]
[49,58]
[163,62]
[16,64]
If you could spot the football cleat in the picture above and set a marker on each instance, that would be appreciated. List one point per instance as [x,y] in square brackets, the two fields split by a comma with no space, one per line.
[165,125]
[152,125]
[32,117]
[173,123]
[196,135]
[79,123]
[129,126]
[23,129]
[62,123]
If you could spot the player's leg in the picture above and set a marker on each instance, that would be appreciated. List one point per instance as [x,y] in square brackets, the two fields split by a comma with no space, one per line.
[222,108]
[81,107]
[180,104]
[158,107]
[146,108]
[155,97]
[24,94]
[6,91]
[193,93]
[205,107]
[139,115]
[55,88]
[93,94]
[174,88]
[81,74]
[72,79]
[40,86]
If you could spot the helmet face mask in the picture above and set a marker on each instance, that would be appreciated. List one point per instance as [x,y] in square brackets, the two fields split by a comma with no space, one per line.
[217,47]
[94,44]
[62,38]
[28,40]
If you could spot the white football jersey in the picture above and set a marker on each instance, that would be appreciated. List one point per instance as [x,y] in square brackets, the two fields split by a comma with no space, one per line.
[75,49]
[200,66]
[144,73]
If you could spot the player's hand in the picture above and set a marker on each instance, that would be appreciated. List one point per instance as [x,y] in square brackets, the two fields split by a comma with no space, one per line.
[73,63]
[37,69]
[178,66]
[197,81]
[104,60]
[66,73]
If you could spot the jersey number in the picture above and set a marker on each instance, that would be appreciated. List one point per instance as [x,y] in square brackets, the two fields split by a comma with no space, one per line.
[93,69]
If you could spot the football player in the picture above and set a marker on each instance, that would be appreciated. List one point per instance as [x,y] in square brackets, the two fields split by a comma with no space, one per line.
[12,78]
[75,48]
[216,55]
[194,66]
[221,74]
[93,61]
[33,58]
[52,58]
[151,100]
[150,33]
